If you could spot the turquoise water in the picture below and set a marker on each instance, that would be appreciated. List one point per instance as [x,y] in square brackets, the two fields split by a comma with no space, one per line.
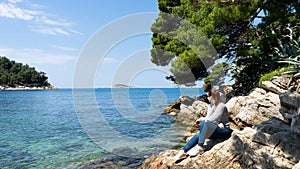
[40,129]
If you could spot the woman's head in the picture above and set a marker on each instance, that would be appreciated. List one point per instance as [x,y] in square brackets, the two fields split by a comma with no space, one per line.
[207,86]
[213,95]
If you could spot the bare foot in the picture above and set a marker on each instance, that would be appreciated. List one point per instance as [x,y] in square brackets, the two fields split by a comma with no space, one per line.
[180,156]
[195,151]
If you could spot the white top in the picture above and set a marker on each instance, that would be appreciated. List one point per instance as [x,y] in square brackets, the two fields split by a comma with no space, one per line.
[217,115]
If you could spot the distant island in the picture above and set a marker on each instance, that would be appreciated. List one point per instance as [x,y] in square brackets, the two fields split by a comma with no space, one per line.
[122,86]
[16,76]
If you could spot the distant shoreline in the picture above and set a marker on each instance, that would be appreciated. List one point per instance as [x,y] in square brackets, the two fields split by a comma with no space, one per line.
[122,86]
[24,88]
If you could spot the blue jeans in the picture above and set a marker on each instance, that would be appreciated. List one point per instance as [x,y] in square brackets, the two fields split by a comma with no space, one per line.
[207,130]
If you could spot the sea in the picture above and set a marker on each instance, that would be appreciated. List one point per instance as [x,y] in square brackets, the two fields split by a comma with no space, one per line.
[66,127]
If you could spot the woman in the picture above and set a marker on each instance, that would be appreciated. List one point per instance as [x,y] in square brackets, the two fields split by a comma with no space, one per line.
[206,88]
[215,124]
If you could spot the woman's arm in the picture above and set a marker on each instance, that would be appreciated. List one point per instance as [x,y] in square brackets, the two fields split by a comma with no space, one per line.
[209,111]
[216,116]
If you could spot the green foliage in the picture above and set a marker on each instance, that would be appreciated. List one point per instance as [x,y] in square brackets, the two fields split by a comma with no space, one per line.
[183,46]
[269,76]
[12,74]
[290,55]
[217,74]
[245,32]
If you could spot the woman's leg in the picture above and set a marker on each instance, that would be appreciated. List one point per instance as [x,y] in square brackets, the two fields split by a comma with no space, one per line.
[193,141]
[206,130]
[221,133]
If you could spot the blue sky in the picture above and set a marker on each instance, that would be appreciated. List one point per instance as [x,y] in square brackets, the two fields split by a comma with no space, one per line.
[50,35]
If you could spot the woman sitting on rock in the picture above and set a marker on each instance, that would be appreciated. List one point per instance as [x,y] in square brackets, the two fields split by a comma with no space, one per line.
[215,124]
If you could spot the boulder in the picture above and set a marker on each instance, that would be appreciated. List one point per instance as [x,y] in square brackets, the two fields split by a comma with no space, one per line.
[234,105]
[188,114]
[272,126]
[229,92]
[270,86]
[186,100]
[255,108]
[112,162]
[173,108]
[297,166]
[249,148]
[200,107]
[257,92]
[290,99]
[281,81]
[269,139]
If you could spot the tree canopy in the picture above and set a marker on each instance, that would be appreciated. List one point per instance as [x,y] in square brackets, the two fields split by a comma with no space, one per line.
[12,74]
[243,33]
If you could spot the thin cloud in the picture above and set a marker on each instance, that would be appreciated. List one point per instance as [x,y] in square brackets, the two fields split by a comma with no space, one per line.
[11,11]
[76,32]
[15,1]
[37,6]
[49,30]
[41,21]
[47,21]
[64,48]
[35,56]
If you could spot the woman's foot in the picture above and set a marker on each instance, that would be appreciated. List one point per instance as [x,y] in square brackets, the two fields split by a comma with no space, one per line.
[180,156]
[176,159]
[195,151]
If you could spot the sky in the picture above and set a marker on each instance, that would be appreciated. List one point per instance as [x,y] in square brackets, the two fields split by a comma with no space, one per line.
[51,36]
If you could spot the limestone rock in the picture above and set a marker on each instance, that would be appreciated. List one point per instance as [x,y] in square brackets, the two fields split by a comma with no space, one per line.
[268,142]
[257,92]
[228,91]
[200,108]
[268,85]
[249,148]
[186,100]
[273,98]
[112,162]
[173,113]
[272,126]
[297,166]
[255,108]
[234,105]
[173,108]
[290,99]
[281,81]
[188,114]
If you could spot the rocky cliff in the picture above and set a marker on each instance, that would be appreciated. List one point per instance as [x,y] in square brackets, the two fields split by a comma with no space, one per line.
[266,133]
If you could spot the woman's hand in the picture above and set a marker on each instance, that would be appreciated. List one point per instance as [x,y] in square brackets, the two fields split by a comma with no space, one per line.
[221,125]
[198,120]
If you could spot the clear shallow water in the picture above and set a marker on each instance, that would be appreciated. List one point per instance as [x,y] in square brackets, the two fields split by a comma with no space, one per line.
[40,129]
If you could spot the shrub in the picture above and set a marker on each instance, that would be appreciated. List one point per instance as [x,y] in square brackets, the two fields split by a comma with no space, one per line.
[268,76]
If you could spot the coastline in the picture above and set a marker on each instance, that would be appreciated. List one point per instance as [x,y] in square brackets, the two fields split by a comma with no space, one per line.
[265,132]
[25,88]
